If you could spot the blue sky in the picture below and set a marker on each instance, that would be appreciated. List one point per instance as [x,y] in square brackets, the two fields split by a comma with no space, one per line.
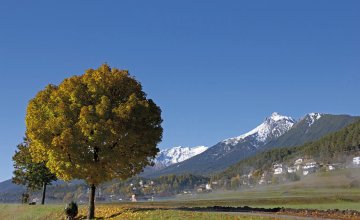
[216,68]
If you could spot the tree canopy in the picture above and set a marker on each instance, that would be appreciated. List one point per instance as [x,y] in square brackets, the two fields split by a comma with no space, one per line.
[97,126]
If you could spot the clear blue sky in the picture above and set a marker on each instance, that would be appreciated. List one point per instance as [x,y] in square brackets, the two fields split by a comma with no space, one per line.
[216,68]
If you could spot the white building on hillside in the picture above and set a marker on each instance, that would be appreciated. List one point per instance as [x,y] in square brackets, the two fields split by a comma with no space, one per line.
[263,179]
[356,161]
[330,167]
[291,169]
[278,169]
[310,166]
[208,186]
[298,161]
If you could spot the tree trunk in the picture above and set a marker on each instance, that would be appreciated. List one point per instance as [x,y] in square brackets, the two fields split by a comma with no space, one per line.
[43,194]
[91,211]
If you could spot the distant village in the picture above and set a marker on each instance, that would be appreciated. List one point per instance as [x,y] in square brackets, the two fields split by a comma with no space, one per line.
[284,172]
[308,166]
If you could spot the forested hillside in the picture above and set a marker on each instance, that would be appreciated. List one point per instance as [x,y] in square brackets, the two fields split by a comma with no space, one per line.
[334,147]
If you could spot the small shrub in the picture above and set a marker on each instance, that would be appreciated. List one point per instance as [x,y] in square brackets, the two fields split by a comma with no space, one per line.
[71,210]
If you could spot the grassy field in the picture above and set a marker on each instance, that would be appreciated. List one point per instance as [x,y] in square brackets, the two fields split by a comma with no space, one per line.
[14,211]
[270,197]
[145,210]
[110,211]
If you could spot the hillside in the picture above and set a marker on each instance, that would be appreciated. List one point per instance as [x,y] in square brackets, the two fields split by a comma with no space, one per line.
[332,148]
[310,128]
[10,192]
[8,186]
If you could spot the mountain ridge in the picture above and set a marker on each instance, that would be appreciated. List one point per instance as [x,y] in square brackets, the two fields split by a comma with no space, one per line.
[265,129]
[333,148]
[230,151]
[167,157]
[311,127]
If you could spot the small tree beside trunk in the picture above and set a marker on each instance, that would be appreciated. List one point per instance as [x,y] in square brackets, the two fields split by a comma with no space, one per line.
[33,175]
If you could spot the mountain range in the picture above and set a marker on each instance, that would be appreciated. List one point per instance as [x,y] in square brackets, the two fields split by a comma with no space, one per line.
[276,131]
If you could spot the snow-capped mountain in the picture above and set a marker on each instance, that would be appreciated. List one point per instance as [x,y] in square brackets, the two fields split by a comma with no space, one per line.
[273,127]
[234,149]
[312,117]
[275,132]
[178,154]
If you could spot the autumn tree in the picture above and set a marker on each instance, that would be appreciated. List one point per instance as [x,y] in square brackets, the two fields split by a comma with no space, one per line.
[34,175]
[97,126]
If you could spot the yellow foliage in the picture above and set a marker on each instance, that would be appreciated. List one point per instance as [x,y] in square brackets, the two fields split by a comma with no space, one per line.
[96,127]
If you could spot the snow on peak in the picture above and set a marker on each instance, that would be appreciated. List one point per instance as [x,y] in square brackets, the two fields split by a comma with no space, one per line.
[273,126]
[173,155]
[312,117]
[277,117]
